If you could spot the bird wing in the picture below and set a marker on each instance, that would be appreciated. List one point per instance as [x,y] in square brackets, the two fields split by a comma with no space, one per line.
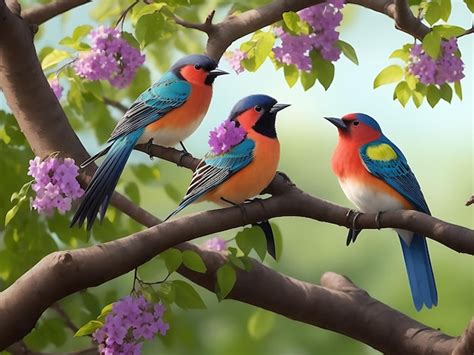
[168,93]
[384,160]
[215,169]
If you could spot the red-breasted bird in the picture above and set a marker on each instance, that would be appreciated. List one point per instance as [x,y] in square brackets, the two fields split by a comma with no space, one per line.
[375,176]
[166,113]
[248,167]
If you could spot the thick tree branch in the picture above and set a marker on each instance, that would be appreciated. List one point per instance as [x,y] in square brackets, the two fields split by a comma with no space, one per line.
[42,13]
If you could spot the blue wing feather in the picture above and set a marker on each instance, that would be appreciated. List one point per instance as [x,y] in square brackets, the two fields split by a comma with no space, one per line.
[215,169]
[166,94]
[396,173]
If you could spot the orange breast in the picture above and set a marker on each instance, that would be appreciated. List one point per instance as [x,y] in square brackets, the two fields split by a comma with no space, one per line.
[255,177]
[190,114]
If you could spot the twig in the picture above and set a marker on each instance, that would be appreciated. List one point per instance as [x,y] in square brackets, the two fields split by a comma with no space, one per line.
[206,26]
[67,320]
[42,13]
[118,105]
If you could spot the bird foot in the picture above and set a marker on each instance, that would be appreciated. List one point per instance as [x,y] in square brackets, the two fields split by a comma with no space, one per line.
[241,206]
[182,146]
[353,232]
[377,219]
[149,144]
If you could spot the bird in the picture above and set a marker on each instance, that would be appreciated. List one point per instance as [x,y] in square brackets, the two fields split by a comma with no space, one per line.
[165,114]
[247,168]
[375,176]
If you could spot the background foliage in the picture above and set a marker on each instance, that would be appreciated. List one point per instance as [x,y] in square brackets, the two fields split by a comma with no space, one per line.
[438,143]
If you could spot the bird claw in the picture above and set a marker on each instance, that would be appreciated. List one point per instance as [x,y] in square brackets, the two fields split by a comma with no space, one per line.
[353,232]
[184,148]
[240,206]
[377,219]
[149,144]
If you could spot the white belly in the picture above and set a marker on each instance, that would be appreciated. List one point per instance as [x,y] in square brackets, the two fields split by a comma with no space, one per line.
[369,200]
[169,137]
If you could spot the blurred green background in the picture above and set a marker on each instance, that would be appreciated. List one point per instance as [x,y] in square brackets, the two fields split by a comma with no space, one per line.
[437,142]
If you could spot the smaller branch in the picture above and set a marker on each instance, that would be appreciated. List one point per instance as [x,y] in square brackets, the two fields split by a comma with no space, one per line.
[206,26]
[42,13]
[67,320]
[466,341]
[115,104]
[470,201]
[468,32]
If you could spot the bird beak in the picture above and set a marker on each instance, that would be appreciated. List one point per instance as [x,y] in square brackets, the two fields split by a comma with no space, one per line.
[278,107]
[216,72]
[339,123]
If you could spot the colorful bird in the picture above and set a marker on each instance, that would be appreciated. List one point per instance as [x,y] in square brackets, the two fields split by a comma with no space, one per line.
[375,176]
[166,113]
[247,167]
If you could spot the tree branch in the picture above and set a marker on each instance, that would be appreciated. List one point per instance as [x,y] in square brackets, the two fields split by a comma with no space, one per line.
[233,27]
[42,13]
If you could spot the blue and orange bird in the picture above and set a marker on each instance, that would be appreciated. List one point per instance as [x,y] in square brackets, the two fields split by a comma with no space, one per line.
[166,113]
[375,176]
[245,170]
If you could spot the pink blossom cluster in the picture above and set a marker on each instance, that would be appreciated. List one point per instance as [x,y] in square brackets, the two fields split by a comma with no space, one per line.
[235,59]
[447,68]
[56,87]
[132,321]
[55,184]
[225,136]
[216,243]
[110,58]
[323,19]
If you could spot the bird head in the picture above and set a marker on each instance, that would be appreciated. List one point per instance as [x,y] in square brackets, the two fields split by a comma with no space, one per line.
[197,69]
[258,113]
[356,127]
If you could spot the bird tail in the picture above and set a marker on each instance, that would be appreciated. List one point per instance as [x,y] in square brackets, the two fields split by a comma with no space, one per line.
[96,156]
[420,273]
[100,189]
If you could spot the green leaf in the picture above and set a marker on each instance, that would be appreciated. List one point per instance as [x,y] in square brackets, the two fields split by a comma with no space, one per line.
[53,58]
[278,240]
[258,49]
[104,312]
[11,213]
[151,28]
[294,24]
[166,292]
[252,238]
[131,40]
[458,89]
[148,9]
[226,278]
[193,261]
[448,31]
[446,92]
[432,44]
[186,296]
[433,95]
[91,302]
[308,78]
[445,9]
[402,53]
[326,73]
[433,13]
[348,51]
[291,74]
[403,92]
[261,323]
[132,192]
[89,328]
[236,261]
[470,4]
[388,75]
[145,173]
[418,95]
[411,81]
[172,258]
[173,193]
[81,31]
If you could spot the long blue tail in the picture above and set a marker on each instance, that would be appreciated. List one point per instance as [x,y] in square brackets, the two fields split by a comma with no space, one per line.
[102,185]
[420,273]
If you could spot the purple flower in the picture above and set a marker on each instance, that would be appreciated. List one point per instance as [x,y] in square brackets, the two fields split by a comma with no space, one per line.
[323,20]
[225,136]
[217,244]
[56,87]
[55,184]
[110,58]
[235,60]
[132,320]
[447,68]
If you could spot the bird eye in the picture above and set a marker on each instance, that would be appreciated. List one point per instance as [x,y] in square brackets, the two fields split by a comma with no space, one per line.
[355,123]
[258,108]
[197,67]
